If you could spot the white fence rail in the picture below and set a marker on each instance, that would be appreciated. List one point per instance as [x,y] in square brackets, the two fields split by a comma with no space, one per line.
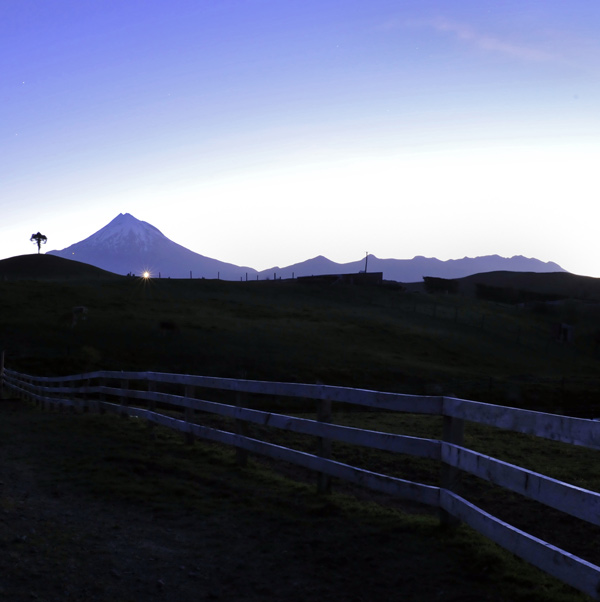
[91,392]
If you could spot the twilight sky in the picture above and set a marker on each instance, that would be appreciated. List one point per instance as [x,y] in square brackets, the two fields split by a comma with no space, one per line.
[265,132]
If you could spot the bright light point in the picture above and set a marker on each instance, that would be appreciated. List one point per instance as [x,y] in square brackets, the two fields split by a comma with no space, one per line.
[146,275]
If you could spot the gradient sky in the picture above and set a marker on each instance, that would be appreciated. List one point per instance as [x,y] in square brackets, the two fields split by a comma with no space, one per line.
[266,132]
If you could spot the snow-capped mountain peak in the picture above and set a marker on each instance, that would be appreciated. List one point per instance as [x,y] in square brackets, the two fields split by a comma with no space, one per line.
[127,245]
[125,231]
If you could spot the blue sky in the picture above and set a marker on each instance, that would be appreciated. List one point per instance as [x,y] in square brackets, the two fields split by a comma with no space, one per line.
[267,132]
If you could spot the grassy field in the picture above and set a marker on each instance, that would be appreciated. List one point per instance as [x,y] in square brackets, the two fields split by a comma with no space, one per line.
[368,337]
[112,513]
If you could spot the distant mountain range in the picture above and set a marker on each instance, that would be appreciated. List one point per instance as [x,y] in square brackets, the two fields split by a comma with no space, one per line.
[129,246]
[413,270]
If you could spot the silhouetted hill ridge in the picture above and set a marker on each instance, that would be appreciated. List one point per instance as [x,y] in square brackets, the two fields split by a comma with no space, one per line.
[563,284]
[413,270]
[50,267]
[128,245]
[558,285]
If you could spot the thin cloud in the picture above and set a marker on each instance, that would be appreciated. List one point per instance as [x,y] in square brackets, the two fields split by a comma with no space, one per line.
[490,43]
[467,34]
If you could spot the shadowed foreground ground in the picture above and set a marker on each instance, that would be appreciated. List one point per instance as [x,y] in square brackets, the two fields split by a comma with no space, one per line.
[100,508]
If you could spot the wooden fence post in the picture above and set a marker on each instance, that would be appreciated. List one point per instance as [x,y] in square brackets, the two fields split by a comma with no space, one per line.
[85,408]
[31,396]
[58,396]
[38,402]
[151,386]
[76,403]
[324,445]
[101,398]
[450,478]
[24,393]
[241,428]
[124,402]
[58,404]
[42,403]
[190,391]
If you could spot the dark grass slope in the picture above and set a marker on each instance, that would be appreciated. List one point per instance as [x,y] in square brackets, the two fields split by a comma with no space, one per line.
[49,267]
[560,284]
[563,285]
[114,512]
[375,337]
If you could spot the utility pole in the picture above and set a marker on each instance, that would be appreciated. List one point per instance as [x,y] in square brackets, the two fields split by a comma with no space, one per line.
[366,261]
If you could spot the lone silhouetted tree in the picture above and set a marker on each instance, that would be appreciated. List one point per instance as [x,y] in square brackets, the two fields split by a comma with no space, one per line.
[39,240]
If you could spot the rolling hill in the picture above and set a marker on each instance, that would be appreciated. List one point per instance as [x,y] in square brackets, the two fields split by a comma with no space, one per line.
[49,267]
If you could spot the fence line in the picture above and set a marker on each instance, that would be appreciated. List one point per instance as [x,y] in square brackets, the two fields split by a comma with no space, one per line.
[77,391]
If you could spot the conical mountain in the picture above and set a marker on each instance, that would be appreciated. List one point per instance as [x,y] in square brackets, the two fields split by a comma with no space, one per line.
[130,246]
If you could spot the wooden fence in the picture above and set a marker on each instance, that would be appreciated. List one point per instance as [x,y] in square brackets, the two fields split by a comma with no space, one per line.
[117,391]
